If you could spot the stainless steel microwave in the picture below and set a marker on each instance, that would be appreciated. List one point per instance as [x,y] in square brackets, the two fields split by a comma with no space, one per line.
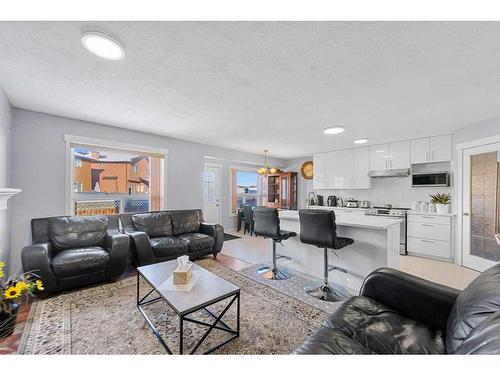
[430,179]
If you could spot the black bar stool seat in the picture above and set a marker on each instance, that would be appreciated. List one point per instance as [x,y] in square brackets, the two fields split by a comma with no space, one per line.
[318,228]
[267,224]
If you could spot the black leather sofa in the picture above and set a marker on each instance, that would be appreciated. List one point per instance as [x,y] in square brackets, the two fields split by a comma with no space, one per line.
[165,235]
[397,313]
[74,251]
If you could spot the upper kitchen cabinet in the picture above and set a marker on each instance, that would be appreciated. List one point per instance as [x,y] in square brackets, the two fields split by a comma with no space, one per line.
[361,168]
[332,179]
[431,149]
[319,171]
[394,155]
[399,155]
[344,178]
[378,157]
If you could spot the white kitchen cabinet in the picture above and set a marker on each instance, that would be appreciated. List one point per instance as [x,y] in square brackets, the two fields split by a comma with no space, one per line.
[378,157]
[361,168]
[332,180]
[345,170]
[399,155]
[319,171]
[420,150]
[429,235]
[440,148]
[431,149]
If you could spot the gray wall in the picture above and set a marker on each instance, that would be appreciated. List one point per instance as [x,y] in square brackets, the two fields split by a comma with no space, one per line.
[5,124]
[38,168]
[303,186]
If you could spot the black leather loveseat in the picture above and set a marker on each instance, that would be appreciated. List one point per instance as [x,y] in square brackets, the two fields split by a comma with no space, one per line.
[165,235]
[397,313]
[74,251]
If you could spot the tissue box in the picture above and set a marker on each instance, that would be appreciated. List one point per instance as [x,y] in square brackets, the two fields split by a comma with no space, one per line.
[182,274]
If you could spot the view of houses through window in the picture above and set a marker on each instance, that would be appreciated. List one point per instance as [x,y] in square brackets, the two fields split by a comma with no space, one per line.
[245,189]
[108,181]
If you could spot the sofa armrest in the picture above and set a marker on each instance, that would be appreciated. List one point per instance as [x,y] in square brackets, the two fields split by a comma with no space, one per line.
[117,245]
[217,232]
[36,258]
[141,248]
[413,297]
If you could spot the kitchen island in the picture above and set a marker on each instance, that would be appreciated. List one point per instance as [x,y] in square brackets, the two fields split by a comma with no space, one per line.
[376,244]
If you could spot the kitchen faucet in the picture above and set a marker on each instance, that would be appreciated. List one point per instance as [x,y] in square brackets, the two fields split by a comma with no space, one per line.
[315,198]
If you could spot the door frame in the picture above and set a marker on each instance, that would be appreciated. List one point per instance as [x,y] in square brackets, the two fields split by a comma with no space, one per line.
[219,167]
[461,147]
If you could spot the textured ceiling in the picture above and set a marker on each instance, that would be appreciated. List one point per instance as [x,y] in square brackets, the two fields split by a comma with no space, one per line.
[250,86]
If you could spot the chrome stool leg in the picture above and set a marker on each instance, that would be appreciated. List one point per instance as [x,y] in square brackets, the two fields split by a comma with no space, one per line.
[275,273]
[325,292]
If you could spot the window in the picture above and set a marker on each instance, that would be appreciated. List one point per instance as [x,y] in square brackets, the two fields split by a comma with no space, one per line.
[111,181]
[245,188]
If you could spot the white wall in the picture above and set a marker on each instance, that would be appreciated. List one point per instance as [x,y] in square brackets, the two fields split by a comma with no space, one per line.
[38,168]
[5,124]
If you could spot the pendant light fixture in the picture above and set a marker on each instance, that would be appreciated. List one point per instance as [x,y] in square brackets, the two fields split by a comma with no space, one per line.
[265,170]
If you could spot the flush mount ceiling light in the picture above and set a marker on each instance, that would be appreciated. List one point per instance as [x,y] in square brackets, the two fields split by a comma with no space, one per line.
[361,141]
[334,130]
[102,45]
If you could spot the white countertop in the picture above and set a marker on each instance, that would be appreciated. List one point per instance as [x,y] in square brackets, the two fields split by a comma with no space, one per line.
[338,208]
[370,222]
[429,213]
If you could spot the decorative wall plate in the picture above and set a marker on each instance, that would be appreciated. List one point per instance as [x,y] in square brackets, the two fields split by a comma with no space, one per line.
[307,170]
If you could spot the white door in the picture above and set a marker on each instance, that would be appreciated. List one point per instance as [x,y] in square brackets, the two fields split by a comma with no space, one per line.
[361,168]
[319,171]
[211,194]
[480,207]
[440,149]
[378,157]
[399,155]
[420,151]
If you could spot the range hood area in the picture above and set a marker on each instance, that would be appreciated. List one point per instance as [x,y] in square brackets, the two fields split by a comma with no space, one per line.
[404,172]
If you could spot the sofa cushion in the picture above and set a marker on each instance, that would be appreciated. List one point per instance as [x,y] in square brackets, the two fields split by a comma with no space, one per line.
[155,224]
[168,246]
[383,330]
[484,339]
[79,261]
[197,241]
[476,303]
[185,221]
[77,231]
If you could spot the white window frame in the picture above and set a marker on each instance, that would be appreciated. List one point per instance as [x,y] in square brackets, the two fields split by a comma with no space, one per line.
[98,142]
[243,169]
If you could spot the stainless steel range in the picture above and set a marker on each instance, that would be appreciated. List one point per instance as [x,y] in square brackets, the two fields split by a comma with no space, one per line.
[396,213]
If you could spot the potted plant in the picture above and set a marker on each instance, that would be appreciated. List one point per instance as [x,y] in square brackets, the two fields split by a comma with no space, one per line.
[442,202]
[12,290]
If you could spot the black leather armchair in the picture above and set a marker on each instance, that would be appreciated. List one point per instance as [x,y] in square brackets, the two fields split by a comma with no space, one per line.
[73,251]
[397,313]
[165,235]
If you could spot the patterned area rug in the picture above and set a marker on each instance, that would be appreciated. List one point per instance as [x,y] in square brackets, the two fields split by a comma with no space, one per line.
[105,320]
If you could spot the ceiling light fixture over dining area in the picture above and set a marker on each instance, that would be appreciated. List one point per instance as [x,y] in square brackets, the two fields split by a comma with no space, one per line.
[265,170]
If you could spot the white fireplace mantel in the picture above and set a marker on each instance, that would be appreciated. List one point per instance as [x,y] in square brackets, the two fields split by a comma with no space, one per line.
[5,194]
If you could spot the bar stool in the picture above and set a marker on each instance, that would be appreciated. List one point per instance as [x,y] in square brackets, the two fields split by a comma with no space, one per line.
[318,228]
[267,224]
[247,219]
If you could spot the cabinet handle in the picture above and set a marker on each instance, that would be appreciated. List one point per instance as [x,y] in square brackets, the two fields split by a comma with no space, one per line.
[428,217]
[433,157]
[427,241]
[428,225]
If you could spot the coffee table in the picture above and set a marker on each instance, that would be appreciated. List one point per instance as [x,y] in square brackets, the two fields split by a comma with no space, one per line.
[208,290]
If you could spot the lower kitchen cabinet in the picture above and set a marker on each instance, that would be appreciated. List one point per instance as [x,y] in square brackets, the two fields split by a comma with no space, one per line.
[430,235]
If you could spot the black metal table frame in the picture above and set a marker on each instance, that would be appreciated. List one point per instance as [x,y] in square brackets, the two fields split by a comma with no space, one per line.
[184,317]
